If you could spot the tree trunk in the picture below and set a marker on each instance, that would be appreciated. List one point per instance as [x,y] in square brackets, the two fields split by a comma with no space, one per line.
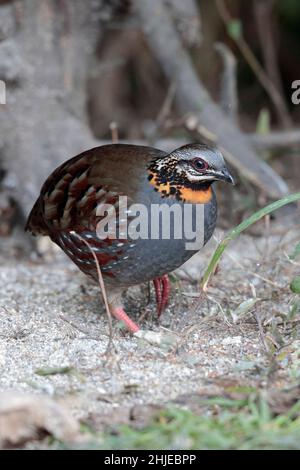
[44,56]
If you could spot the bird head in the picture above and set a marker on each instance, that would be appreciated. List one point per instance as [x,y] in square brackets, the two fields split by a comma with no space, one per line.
[188,172]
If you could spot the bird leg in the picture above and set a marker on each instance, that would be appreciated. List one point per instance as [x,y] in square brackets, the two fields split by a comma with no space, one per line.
[121,315]
[158,293]
[117,310]
[162,290]
[165,292]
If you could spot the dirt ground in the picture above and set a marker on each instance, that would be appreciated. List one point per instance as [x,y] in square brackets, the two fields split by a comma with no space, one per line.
[54,332]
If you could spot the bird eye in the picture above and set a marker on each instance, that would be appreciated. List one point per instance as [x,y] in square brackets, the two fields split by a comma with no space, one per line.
[199,164]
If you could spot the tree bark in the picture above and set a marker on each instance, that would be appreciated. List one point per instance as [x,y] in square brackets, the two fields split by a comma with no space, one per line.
[45,56]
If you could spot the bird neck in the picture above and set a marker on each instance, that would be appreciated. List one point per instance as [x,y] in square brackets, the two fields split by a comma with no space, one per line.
[201,195]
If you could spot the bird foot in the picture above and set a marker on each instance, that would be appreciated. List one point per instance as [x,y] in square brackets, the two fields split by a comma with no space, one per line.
[162,290]
[122,316]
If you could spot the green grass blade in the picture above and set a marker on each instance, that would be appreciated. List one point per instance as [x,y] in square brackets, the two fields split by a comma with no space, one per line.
[239,229]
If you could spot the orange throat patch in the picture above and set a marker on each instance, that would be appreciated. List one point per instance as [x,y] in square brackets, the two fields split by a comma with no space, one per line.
[182,193]
[200,196]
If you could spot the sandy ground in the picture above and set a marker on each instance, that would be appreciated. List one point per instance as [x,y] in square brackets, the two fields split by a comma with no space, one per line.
[52,318]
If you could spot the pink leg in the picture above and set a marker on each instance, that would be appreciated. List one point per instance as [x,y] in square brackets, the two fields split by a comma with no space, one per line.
[162,289]
[158,293]
[165,292]
[121,315]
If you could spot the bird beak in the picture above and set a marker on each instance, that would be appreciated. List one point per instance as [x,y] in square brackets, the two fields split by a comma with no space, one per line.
[225,175]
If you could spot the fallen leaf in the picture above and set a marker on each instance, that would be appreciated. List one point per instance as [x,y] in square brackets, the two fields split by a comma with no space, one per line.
[243,308]
[28,417]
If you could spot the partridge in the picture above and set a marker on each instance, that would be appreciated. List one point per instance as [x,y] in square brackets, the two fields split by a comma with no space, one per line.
[89,191]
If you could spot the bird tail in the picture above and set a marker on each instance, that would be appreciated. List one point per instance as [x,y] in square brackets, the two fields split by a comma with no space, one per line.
[35,222]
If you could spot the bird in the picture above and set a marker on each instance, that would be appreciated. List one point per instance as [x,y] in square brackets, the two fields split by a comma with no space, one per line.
[89,190]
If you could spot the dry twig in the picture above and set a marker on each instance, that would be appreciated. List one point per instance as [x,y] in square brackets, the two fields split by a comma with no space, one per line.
[266,83]
[102,289]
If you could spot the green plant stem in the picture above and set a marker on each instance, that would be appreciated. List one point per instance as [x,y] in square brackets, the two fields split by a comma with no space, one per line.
[240,228]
